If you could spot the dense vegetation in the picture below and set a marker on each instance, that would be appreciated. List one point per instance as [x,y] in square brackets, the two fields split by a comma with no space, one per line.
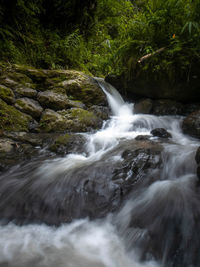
[100,36]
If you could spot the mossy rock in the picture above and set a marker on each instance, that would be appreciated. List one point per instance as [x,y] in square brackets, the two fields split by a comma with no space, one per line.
[72,120]
[52,121]
[36,75]
[68,143]
[19,77]
[26,91]
[7,94]
[12,119]
[84,88]
[83,120]
[52,100]
[29,106]
[6,81]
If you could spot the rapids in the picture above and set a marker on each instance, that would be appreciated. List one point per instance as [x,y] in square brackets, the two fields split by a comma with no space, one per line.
[158,225]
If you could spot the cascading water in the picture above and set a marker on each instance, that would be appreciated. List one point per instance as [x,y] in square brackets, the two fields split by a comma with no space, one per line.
[158,222]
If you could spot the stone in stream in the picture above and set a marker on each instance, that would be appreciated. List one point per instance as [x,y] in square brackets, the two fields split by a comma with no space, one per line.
[197,158]
[161,132]
[54,194]
[191,124]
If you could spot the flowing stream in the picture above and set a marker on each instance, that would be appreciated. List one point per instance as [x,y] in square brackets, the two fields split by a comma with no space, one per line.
[157,225]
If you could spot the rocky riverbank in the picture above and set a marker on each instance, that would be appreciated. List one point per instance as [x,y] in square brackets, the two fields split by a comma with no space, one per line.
[38,107]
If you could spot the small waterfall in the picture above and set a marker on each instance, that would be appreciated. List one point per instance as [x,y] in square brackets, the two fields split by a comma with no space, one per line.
[158,224]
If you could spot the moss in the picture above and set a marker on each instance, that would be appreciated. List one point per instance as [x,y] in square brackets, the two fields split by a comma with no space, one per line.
[19,77]
[82,119]
[84,89]
[60,141]
[51,121]
[36,75]
[83,116]
[63,139]
[6,94]
[12,119]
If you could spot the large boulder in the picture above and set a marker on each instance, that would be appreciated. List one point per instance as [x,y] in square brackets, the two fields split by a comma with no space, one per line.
[191,124]
[29,106]
[167,107]
[52,100]
[7,94]
[25,92]
[72,120]
[12,119]
[161,132]
[145,80]
[57,194]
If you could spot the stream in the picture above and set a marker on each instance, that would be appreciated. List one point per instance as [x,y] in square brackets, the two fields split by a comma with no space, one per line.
[51,217]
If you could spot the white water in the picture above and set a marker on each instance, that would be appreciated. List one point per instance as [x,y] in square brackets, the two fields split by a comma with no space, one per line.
[100,243]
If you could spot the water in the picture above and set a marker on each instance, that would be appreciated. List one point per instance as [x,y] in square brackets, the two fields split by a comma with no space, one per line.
[157,225]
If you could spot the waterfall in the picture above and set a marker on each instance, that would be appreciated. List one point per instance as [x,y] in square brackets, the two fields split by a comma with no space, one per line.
[157,225]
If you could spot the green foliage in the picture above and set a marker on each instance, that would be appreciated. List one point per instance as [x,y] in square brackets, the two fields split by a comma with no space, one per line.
[100,36]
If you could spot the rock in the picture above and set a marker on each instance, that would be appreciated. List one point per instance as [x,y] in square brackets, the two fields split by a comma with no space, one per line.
[72,120]
[191,124]
[52,100]
[7,95]
[52,121]
[34,139]
[167,107]
[8,82]
[6,145]
[197,156]
[68,143]
[56,195]
[146,81]
[198,171]
[100,111]
[190,108]
[83,120]
[142,137]
[84,88]
[27,92]
[29,106]
[143,106]
[138,161]
[161,132]
[35,75]
[12,119]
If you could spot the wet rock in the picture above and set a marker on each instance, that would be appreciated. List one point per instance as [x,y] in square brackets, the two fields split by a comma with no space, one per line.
[72,120]
[145,82]
[167,107]
[57,194]
[82,120]
[52,100]
[34,139]
[161,132]
[7,95]
[191,124]
[8,82]
[52,121]
[143,106]
[27,92]
[68,143]
[100,111]
[6,145]
[12,119]
[84,88]
[29,106]
[197,156]
[142,137]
